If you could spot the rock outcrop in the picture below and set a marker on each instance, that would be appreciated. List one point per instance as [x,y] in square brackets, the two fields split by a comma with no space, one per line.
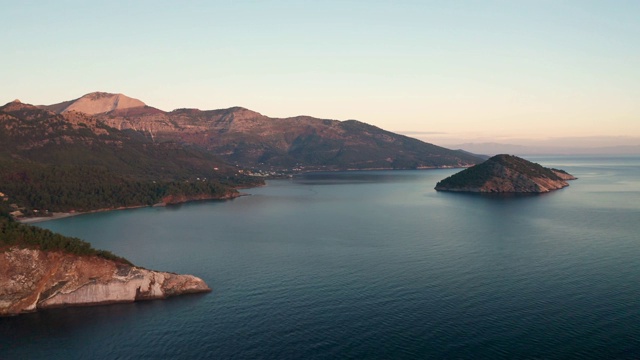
[32,279]
[506,174]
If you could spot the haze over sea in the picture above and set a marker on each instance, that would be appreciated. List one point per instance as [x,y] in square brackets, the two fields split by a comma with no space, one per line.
[370,265]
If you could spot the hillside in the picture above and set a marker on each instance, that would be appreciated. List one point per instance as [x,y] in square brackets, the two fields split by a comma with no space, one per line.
[249,139]
[244,137]
[506,174]
[73,161]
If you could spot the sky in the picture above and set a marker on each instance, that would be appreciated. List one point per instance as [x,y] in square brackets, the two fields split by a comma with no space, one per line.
[442,71]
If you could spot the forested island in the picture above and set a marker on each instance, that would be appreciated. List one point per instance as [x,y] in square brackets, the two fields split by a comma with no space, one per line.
[506,174]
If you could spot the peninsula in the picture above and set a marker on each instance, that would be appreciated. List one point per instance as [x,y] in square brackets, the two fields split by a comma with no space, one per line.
[506,174]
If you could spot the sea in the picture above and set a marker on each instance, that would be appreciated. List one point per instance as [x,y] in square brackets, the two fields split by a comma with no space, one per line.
[370,265]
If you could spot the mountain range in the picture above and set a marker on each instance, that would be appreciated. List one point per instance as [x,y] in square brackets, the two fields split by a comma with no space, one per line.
[246,138]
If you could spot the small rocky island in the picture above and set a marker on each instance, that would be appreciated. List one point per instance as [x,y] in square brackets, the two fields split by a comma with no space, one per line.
[506,174]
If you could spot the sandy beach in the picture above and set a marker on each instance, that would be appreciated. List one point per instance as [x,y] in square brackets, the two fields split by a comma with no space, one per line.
[61,215]
[54,216]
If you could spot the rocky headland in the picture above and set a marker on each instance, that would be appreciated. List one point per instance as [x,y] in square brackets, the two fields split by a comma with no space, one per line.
[506,174]
[32,279]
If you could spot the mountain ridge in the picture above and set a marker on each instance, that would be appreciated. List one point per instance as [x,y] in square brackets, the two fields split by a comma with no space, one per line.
[247,138]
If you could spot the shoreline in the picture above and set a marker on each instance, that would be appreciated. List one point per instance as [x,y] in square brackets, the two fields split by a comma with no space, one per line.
[54,216]
[62,215]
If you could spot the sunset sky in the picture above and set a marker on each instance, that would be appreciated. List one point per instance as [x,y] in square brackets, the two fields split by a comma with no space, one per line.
[443,71]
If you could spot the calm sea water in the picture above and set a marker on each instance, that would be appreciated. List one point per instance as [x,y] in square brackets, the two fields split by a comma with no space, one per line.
[370,265]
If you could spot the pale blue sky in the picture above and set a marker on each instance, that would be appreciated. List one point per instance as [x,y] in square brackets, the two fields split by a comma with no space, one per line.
[453,69]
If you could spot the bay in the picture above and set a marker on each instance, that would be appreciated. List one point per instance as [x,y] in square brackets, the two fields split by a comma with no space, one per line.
[370,265]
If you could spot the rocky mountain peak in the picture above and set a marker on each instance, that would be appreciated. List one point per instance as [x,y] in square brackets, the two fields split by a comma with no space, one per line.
[16,105]
[97,103]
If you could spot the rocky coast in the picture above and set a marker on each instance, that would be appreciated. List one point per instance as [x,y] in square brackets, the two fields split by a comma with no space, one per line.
[32,279]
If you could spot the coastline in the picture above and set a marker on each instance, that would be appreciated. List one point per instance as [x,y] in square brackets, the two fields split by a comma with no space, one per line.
[62,215]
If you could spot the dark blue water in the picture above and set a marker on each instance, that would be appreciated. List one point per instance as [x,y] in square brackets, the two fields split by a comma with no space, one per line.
[370,265]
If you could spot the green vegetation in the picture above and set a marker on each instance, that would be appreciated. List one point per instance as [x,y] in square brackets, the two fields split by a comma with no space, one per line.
[66,188]
[525,167]
[472,177]
[14,234]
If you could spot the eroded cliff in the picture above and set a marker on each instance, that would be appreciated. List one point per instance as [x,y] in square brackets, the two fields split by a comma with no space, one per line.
[33,279]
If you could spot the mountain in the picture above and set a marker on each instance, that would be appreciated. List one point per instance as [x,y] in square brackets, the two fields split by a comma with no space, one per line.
[30,133]
[95,103]
[506,174]
[249,139]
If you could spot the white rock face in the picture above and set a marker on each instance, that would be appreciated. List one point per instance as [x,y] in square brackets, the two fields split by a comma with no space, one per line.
[100,102]
[32,279]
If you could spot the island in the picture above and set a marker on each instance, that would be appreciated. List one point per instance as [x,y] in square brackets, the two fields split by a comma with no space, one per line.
[40,269]
[506,174]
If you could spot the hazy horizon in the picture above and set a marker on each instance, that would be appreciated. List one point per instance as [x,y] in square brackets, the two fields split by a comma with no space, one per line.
[590,145]
[461,72]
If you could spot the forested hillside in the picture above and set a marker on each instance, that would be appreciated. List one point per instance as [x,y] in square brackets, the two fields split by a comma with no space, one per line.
[14,234]
[62,162]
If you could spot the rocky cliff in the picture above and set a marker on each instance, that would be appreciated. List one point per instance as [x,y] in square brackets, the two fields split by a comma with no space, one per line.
[32,279]
[506,174]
